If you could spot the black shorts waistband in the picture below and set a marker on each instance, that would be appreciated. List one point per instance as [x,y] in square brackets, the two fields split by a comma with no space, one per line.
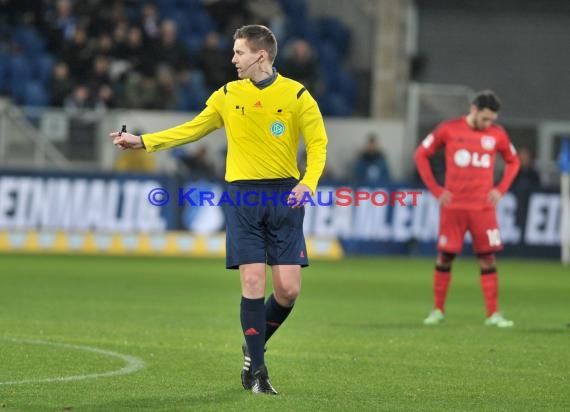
[286,181]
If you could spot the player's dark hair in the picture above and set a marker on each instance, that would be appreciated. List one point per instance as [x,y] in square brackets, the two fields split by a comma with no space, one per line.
[487,99]
[259,37]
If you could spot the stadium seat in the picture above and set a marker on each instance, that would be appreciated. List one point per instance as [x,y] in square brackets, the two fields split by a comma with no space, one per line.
[190,6]
[178,153]
[200,22]
[4,66]
[20,73]
[194,42]
[347,86]
[166,7]
[182,23]
[43,67]
[189,100]
[332,30]
[295,9]
[335,77]
[193,94]
[328,54]
[334,104]
[31,42]
[303,28]
[193,25]
[35,95]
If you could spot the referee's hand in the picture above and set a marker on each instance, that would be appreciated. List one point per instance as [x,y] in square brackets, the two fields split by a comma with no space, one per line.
[126,140]
[299,195]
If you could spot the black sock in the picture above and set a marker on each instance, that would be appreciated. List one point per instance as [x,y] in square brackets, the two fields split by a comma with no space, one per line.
[252,316]
[275,315]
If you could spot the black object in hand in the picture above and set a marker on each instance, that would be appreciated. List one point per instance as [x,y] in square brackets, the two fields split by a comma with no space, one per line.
[123,129]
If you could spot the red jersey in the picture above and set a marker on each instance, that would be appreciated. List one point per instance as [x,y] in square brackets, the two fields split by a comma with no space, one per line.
[469,162]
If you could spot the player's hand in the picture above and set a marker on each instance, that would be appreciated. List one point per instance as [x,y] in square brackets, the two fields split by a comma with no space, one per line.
[494,196]
[297,194]
[126,140]
[445,197]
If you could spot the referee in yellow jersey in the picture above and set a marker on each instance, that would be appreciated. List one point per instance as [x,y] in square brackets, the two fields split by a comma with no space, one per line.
[264,115]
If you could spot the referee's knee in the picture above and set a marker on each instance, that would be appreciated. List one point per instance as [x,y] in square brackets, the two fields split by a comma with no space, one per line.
[252,282]
[287,295]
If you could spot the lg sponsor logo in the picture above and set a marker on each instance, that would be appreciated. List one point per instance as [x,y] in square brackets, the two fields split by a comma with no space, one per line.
[464,158]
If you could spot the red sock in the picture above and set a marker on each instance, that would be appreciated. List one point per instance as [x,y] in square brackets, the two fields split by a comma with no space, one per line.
[490,287]
[441,279]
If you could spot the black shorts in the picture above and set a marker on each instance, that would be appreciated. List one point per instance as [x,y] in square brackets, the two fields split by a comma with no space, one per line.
[261,227]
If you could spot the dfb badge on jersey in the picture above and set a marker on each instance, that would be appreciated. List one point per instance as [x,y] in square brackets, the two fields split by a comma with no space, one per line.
[488,142]
[277,128]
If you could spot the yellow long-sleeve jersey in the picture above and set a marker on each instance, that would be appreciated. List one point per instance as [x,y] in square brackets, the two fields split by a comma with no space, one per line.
[263,127]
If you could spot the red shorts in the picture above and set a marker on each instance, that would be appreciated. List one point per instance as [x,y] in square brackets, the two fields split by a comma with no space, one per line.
[482,224]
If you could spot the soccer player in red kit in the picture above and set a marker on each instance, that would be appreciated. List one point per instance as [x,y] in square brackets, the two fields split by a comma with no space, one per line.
[468,198]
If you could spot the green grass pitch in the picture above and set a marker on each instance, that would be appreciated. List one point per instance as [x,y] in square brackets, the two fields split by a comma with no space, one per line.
[354,342]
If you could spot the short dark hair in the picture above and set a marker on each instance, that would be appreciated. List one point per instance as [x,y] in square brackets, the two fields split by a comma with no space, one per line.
[259,37]
[487,99]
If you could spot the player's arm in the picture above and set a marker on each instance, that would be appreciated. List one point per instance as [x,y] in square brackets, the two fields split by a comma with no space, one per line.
[425,150]
[313,129]
[204,123]
[512,164]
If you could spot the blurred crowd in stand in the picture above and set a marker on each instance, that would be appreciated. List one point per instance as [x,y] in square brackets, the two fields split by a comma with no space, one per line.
[161,54]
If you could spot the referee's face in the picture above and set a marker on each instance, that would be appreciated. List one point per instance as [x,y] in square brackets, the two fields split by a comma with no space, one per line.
[246,60]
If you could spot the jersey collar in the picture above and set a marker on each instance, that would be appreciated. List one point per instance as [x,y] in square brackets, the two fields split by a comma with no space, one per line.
[266,82]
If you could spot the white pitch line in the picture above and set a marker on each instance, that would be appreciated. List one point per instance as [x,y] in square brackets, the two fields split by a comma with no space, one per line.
[133,363]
